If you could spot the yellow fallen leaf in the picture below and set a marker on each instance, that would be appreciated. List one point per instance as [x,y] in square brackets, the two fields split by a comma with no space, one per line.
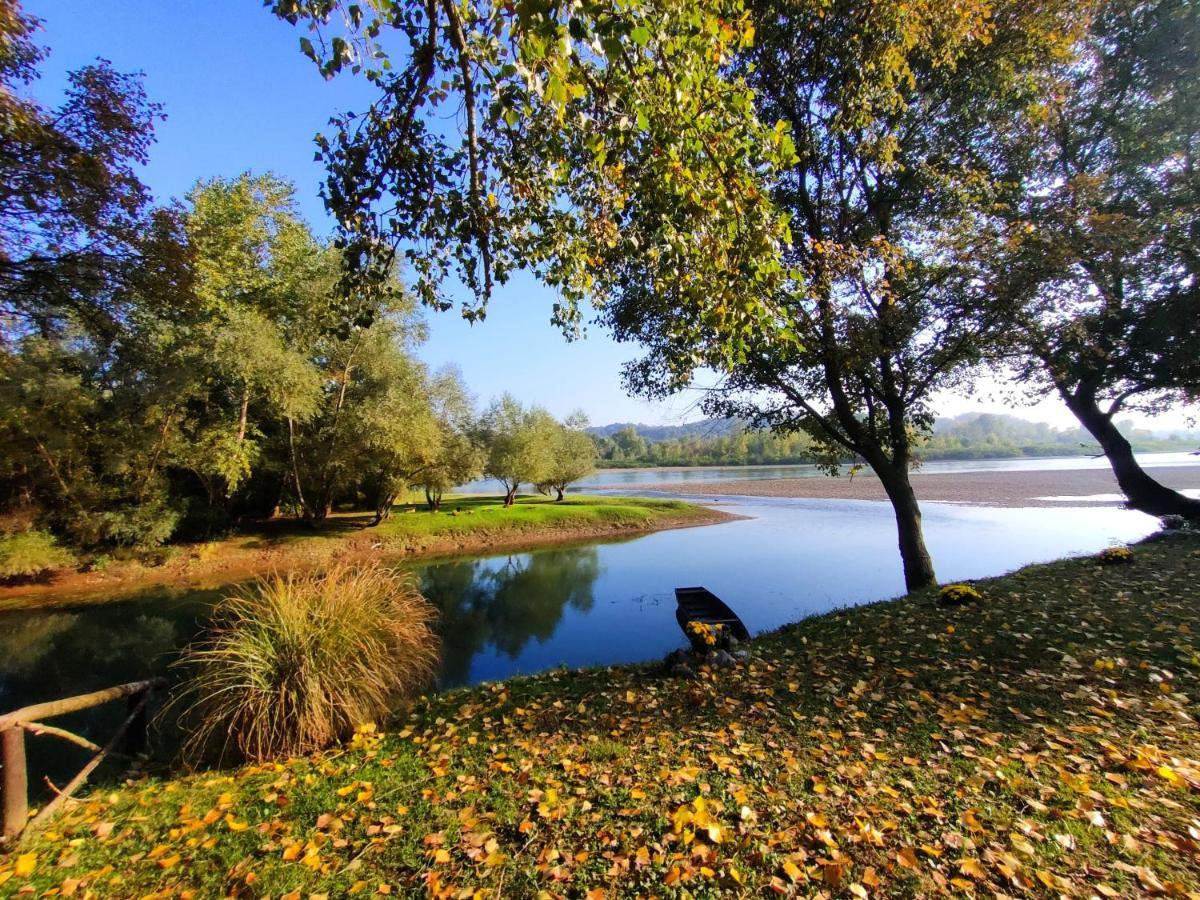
[234,824]
[26,863]
[907,858]
[970,866]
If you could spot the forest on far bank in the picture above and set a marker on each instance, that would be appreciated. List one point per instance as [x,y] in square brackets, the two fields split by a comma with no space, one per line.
[728,442]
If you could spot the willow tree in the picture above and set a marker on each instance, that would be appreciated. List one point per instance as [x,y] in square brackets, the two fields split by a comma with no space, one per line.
[599,144]
[895,110]
[1100,260]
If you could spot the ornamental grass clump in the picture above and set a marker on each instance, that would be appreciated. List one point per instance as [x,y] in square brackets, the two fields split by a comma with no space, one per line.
[296,662]
[958,594]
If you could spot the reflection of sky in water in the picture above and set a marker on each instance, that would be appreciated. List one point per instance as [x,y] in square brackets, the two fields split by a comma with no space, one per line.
[599,604]
[793,559]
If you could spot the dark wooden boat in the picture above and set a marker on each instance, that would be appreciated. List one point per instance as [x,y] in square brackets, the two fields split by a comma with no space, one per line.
[697,604]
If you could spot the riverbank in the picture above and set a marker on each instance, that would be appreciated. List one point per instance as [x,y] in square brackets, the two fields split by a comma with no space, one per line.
[465,525]
[1018,488]
[1041,741]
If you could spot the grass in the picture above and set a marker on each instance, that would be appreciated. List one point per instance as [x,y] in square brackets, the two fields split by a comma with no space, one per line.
[468,515]
[294,662]
[1039,741]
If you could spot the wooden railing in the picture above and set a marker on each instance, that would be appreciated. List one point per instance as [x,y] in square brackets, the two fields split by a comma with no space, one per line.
[13,726]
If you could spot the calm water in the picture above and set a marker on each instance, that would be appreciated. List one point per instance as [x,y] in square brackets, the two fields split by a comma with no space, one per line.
[617,478]
[597,604]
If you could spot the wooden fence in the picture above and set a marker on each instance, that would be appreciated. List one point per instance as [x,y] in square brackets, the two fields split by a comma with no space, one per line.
[13,726]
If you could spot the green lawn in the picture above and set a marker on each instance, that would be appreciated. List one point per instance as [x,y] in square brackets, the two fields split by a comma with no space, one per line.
[464,514]
[1040,742]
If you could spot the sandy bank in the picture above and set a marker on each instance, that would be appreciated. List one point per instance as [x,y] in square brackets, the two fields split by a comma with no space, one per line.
[1075,487]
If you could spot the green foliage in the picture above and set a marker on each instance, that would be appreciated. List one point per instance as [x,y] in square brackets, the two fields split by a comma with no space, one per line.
[519,443]
[1095,255]
[572,456]
[27,554]
[603,145]
[298,661]
[75,228]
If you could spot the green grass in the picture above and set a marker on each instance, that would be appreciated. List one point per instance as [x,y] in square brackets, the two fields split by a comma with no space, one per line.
[464,515]
[1040,741]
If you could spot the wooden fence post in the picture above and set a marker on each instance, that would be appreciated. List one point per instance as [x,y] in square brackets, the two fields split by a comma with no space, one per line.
[16,786]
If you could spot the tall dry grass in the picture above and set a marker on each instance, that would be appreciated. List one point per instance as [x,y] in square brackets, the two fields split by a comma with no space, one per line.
[295,662]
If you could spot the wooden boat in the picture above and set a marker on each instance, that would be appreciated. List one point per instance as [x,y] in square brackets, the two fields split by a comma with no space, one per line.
[698,604]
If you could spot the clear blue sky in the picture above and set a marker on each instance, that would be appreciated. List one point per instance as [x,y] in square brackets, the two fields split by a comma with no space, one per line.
[239,96]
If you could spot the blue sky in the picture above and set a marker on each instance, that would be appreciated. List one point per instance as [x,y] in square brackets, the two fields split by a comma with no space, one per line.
[239,96]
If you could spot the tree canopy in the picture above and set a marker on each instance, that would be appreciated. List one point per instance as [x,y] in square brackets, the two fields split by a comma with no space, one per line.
[602,145]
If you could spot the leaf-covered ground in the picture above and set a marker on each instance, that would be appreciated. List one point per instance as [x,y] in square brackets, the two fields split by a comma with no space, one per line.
[1040,742]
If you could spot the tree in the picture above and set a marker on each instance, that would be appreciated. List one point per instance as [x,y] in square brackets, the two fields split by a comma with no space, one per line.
[518,442]
[600,145]
[894,109]
[1099,261]
[458,457]
[258,275]
[75,226]
[572,456]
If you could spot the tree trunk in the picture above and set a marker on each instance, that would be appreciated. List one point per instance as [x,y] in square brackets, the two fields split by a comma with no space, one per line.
[510,495]
[433,499]
[560,494]
[918,564]
[383,509]
[1142,492]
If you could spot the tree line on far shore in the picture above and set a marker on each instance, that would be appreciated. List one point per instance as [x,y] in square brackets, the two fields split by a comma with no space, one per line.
[717,442]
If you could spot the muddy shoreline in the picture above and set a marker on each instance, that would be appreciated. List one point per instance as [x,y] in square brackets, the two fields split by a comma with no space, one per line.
[998,488]
[204,567]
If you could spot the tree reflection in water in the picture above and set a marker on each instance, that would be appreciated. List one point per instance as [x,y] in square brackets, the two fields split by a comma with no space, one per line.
[504,602]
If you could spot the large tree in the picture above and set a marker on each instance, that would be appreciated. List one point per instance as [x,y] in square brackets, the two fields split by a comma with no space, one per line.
[1099,258]
[894,109]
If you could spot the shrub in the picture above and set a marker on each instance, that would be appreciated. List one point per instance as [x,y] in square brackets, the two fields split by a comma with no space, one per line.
[28,554]
[296,662]
[958,594]
[1115,556]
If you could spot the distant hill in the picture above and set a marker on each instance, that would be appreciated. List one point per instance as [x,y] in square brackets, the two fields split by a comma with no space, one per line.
[705,428]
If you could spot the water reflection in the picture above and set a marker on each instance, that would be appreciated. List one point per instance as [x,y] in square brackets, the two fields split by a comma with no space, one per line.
[505,602]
